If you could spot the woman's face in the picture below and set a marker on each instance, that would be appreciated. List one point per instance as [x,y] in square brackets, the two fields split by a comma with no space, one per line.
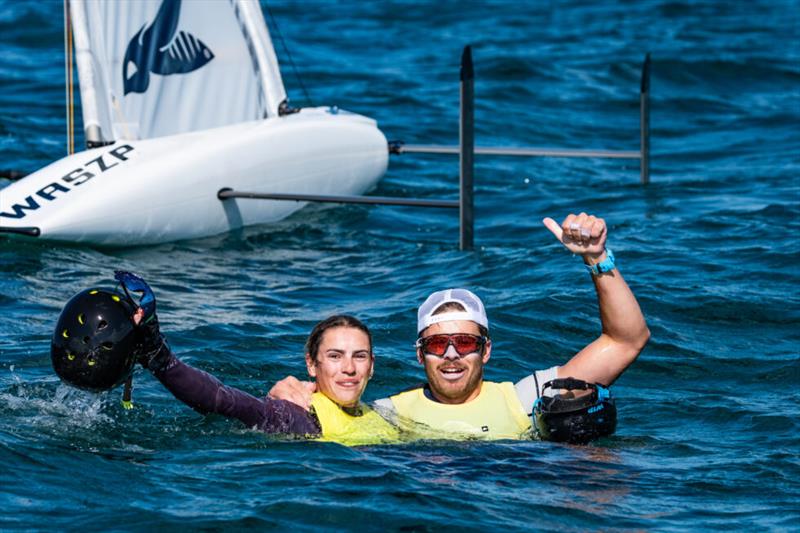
[343,366]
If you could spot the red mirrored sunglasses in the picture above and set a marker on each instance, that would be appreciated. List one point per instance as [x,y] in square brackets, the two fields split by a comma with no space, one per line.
[464,343]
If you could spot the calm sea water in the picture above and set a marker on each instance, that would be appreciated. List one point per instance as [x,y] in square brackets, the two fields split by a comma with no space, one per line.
[709,414]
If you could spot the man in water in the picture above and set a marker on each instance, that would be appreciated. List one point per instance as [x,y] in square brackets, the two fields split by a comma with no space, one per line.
[453,345]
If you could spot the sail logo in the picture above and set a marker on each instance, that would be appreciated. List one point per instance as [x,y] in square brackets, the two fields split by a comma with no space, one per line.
[161,49]
[70,180]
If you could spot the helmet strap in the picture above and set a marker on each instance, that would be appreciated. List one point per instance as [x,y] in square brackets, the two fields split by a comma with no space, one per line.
[127,403]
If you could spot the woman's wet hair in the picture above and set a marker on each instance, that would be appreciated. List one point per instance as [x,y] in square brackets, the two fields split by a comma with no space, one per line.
[335,321]
[455,306]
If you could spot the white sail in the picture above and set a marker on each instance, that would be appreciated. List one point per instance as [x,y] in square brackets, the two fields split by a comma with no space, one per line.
[151,68]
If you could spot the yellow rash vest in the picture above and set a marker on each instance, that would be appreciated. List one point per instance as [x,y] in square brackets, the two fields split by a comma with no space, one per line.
[496,413]
[364,426]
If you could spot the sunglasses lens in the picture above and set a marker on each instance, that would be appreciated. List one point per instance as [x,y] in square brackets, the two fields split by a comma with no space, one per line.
[436,344]
[466,344]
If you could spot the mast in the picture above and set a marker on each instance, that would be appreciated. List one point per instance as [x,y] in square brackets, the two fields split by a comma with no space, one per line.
[87,75]
[264,53]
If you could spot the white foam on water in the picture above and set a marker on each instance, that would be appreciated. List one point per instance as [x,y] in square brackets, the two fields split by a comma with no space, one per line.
[65,407]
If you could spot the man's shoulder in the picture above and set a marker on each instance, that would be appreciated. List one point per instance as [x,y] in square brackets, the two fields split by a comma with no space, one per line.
[386,404]
[403,391]
[412,387]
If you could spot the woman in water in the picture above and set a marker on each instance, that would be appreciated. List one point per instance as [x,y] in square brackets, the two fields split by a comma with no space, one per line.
[338,356]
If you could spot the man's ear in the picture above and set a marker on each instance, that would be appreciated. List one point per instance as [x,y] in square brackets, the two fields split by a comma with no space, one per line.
[487,351]
[420,356]
[311,366]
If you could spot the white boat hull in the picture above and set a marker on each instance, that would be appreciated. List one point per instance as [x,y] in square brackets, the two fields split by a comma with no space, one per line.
[165,189]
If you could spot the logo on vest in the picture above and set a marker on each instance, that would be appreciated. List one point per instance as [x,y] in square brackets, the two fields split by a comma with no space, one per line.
[161,49]
[485,429]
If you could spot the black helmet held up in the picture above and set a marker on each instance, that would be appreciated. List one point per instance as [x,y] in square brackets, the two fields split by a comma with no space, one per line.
[95,340]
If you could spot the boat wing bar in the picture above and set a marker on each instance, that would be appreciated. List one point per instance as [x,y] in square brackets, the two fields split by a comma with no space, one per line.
[398,147]
[30,231]
[466,150]
[226,193]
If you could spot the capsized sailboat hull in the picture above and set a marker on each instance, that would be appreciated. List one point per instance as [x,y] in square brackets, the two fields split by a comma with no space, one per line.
[165,189]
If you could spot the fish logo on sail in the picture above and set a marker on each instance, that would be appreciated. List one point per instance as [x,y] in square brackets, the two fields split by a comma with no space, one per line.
[160,49]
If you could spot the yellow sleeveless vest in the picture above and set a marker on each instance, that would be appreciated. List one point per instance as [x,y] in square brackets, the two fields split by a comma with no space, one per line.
[339,426]
[495,414]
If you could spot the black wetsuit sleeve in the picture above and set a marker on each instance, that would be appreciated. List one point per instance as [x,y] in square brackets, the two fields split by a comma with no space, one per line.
[206,394]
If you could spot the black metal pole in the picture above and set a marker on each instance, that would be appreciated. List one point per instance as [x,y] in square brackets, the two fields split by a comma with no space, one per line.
[397,148]
[227,193]
[644,110]
[467,145]
[31,231]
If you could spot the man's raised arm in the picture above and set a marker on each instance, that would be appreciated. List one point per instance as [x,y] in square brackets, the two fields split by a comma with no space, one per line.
[624,331]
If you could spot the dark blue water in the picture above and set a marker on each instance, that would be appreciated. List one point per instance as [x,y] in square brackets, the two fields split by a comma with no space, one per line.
[709,414]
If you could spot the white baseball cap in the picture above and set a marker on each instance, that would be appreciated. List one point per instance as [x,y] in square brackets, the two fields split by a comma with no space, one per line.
[467,299]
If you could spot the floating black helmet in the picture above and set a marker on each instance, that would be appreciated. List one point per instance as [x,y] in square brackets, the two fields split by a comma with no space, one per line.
[574,418]
[95,340]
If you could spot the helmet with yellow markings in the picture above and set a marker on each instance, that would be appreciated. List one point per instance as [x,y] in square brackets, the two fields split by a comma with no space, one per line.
[95,342]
